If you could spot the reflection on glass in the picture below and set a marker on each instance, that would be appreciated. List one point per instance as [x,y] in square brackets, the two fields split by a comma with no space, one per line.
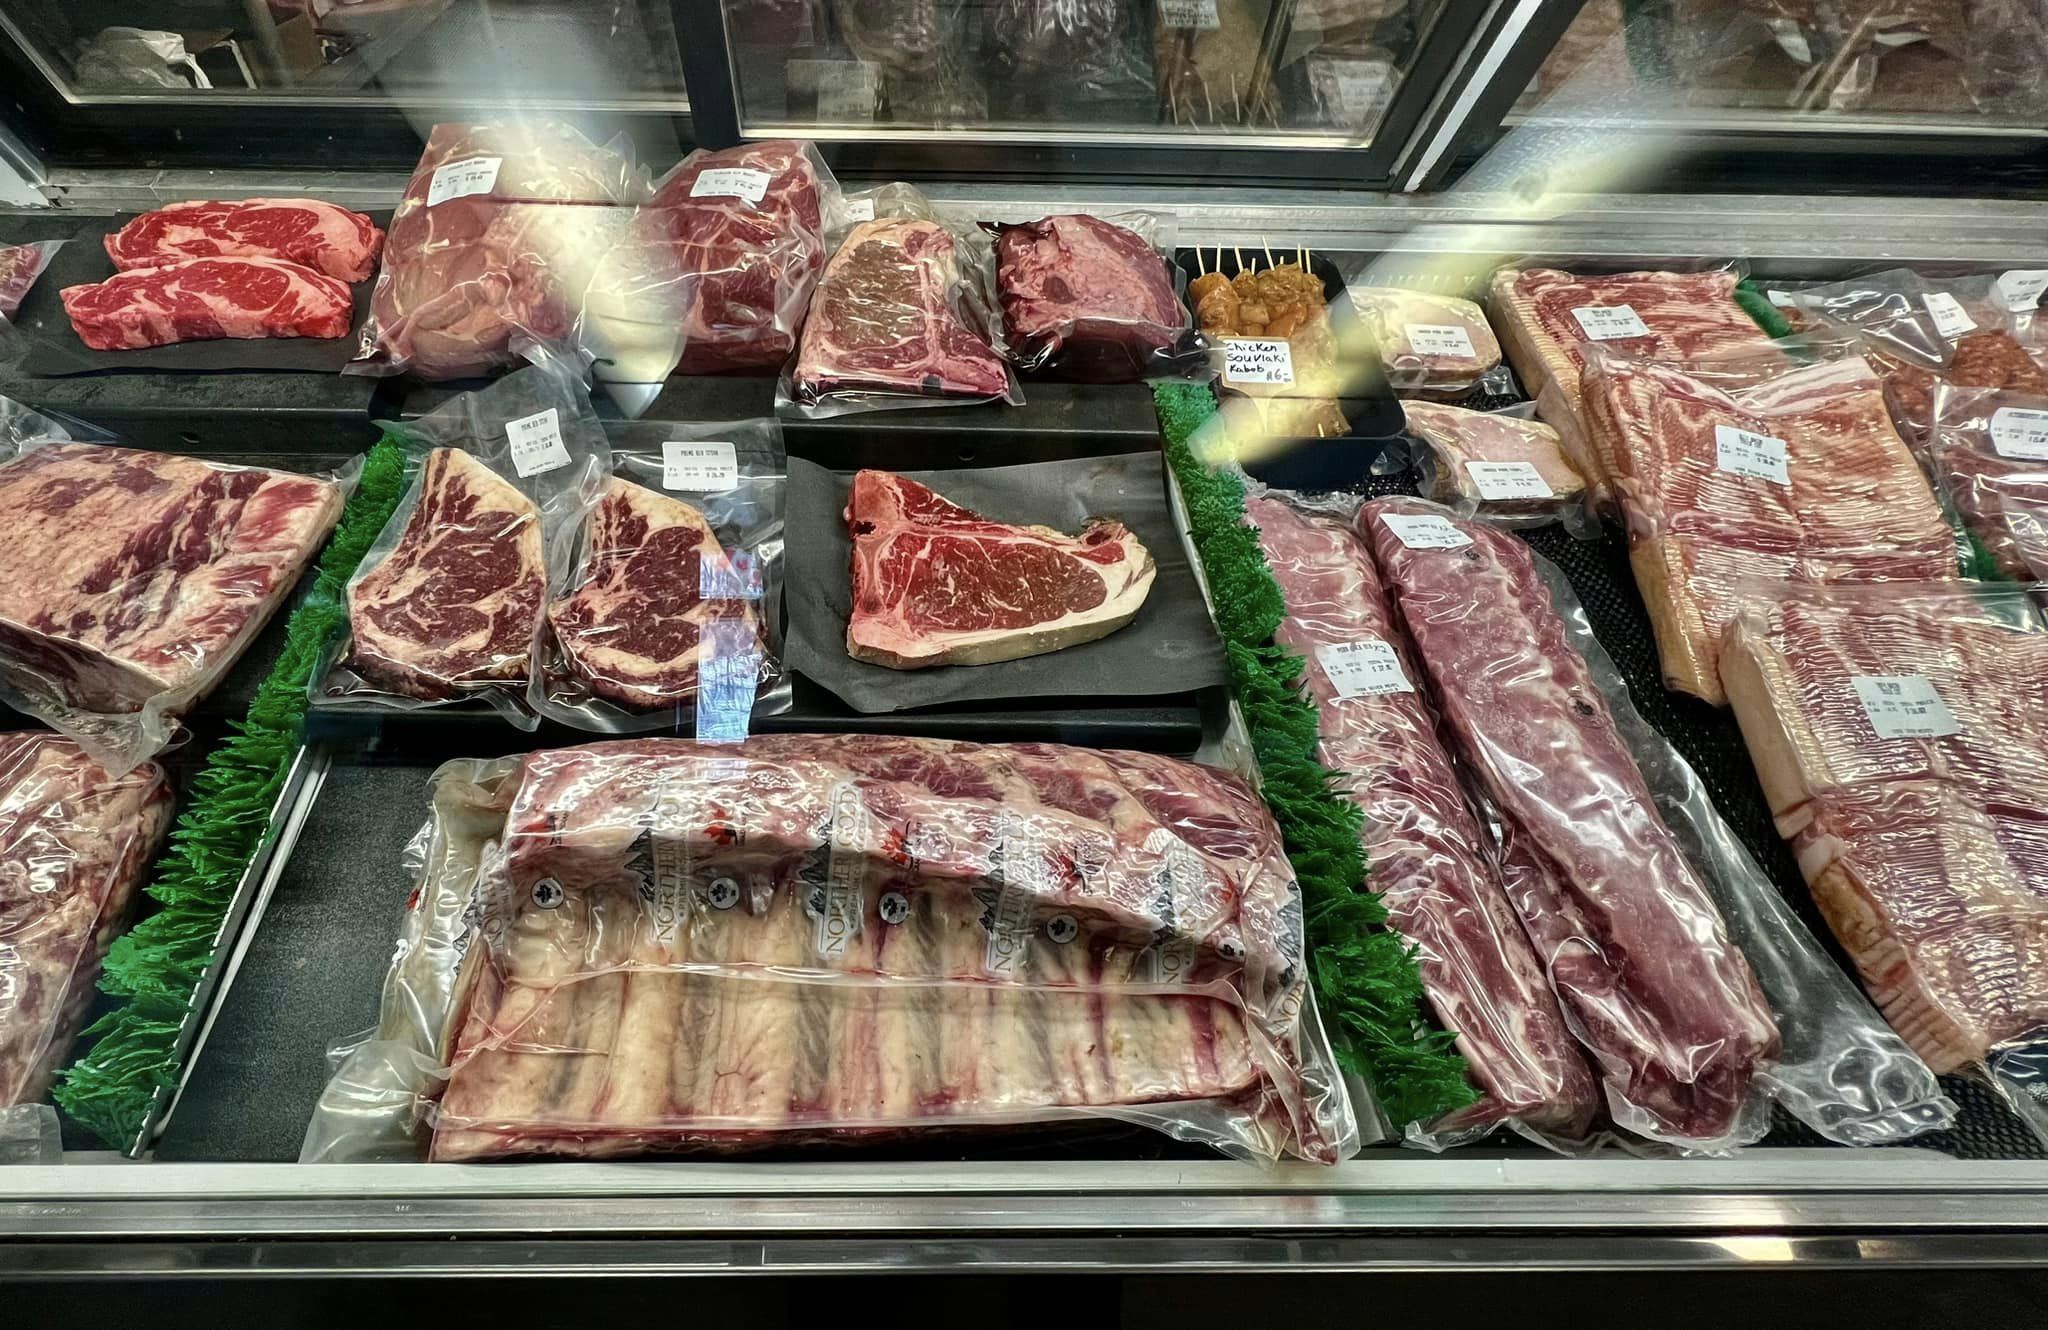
[484,50]
[1321,66]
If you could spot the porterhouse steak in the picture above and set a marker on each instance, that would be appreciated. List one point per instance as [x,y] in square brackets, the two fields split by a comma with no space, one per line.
[938,584]
[196,300]
[655,578]
[321,236]
[455,604]
[856,935]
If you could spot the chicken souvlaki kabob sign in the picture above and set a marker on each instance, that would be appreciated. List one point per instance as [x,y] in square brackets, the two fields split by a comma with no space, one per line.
[1260,360]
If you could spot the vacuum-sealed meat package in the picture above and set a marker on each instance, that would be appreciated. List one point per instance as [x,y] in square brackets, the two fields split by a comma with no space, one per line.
[1494,463]
[447,603]
[1090,298]
[1990,455]
[1439,347]
[131,581]
[809,938]
[75,840]
[20,265]
[499,233]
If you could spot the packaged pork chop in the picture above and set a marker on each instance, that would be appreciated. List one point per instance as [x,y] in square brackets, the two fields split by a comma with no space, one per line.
[839,939]
[665,606]
[130,581]
[1496,463]
[447,604]
[1091,299]
[1431,346]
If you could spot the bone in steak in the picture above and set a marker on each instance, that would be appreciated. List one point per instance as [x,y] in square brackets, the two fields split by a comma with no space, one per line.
[813,936]
[655,579]
[456,602]
[1427,857]
[1635,947]
[197,300]
[938,584]
[74,841]
[328,239]
[1087,295]
[1927,855]
[126,576]
[884,320]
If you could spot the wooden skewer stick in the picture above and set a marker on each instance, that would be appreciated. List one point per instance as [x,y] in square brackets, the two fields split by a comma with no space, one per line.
[1269,252]
[1235,255]
[1200,271]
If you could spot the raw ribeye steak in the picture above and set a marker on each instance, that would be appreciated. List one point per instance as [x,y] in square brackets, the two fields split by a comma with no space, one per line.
[125,575]
[74,841]
[938,584]
[321,236]
[1089,292]
[654,579]
[197,300]
[456,602]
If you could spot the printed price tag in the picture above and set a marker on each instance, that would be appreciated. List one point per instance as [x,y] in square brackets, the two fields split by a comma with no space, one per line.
[2020,432]
[1607,323]
[1421,531]
[2022,287]
[738,182]
[846,91]
[1744,452]
[1439,339]
[1364,87]
[1189,14]
[1904,706]
[702,468]
[1365,668]
[1950,318]
[537,446]
[471,175]
[860,210]
[1508,480]
[1257,360]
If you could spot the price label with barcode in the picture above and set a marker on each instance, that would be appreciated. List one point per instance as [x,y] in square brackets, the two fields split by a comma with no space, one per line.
[1904,706]
[1367,667]
[2020,432]
[1439,339]
[536,440]
[1421,531]
[2021,288]
[471,175]
[1189,14]
[1745,452]
[1508,480]
[737,182]
[1607,323]
[701,468]
[1950,318]
[1257,360]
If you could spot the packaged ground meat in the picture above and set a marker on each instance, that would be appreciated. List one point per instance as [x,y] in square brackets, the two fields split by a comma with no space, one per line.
[1431,346]
[1090,299]
[1493,463]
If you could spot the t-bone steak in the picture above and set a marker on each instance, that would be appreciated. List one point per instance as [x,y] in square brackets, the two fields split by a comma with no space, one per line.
[938,584]
[654,579]
[74,841]
[126,576]
[456,602]
[197,300]
[321,236]
[1089,292]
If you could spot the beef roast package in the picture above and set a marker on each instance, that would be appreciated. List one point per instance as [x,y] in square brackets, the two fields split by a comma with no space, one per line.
[904,316]
[1694,988]
[665,608]
[447,604]
[1990,456]
[500,231]
[660,945]
[130,581]
[1092,299]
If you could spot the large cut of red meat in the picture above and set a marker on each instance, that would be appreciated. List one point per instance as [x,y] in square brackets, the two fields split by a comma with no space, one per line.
[1428,859]
[196,300]
[938,584]
[1091,293]
[321,236]
[812,936]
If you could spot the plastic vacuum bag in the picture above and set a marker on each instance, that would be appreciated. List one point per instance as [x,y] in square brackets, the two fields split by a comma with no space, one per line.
[447,603]
[1436,347]
[904,316]
[1990,455]
[493,246]
[1611,849]
[665,606]
[77,841]
[130,582]
[842,938]
[1091,299]
[1499,465]
[20,265]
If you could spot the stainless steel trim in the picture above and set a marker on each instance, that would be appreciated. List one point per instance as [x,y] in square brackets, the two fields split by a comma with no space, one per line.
[1716,120]
[1452,127]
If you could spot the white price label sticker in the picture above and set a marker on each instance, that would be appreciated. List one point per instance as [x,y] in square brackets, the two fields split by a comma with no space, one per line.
[702,468]
[2021,288]
[1365,668]
[1363,88]
[739,182]
[2020,432]
[1439,339]
[1744,452]
[1189,14]
[1950,318]
[1420,531]
[1257,360]
[1782,299]
[860,210]
[1904,706]
[1607,323]
[536,440]
[846,91]
[1508,480]
[471,175]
